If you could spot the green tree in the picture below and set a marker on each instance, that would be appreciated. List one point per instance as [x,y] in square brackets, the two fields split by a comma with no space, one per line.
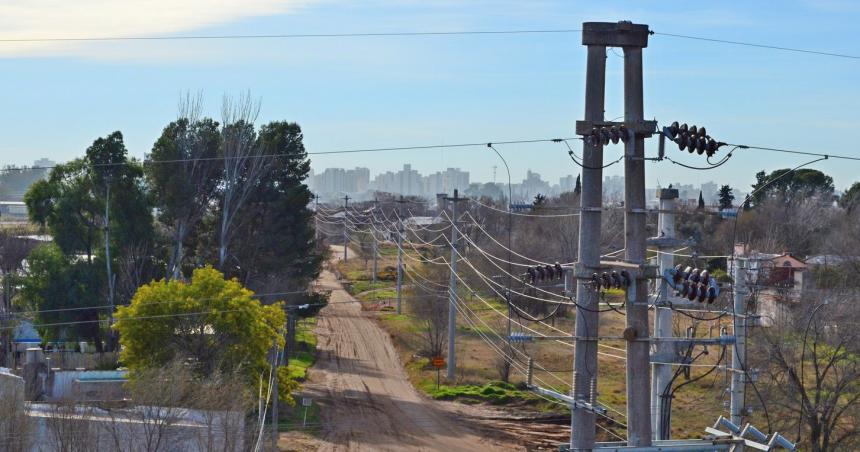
[701,200]
[726,197]
[278,247]
[577,189]
[212,322]
[95,207]
[791,185]
[849,199]
[55,282]
[183,172]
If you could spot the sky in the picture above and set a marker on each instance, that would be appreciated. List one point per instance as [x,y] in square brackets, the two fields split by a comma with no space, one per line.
[365,92]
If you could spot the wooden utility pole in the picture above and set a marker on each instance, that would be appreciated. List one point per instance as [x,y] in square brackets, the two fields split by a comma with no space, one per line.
[452,290]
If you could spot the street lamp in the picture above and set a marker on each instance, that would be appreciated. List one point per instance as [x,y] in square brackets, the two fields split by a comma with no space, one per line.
[510,272]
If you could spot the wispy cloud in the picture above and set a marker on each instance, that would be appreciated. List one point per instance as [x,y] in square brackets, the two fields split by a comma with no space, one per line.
[111,18]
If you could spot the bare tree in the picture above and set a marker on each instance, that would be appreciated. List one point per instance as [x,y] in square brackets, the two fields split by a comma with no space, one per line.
[430,307]
[812,372]
[245,162]
[16,427]
[71,428]
[185,177]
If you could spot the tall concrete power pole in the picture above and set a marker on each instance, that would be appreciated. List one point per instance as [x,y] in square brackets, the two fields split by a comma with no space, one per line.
[632,38]
[638,349]
[583,427]
[399,253]
[739,372]
[664,350]
[375,245]
[345,230]
[452,290]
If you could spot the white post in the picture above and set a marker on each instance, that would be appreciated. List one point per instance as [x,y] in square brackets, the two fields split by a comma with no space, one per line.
[399,264]
[662,373]
[452,294]
[736,407]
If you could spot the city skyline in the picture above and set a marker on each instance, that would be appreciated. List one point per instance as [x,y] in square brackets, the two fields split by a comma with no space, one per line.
[362,184]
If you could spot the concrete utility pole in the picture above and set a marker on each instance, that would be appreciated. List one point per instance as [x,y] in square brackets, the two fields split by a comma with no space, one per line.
[631,38]
[345,231]
[452,290]
[316,217]
[664,350]
[375,250]
[399,253]
[739,352]
[275,361]
[582,433]
[638,353]
[289,344]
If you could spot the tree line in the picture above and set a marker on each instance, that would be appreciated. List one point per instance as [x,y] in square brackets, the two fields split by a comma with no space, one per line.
[228,194]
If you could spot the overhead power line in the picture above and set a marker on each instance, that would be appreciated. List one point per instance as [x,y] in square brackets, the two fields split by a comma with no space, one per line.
[285,154]
[761,46]
[291,35]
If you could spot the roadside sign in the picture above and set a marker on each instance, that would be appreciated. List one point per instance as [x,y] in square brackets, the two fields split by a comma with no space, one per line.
[306,401]
[438,362]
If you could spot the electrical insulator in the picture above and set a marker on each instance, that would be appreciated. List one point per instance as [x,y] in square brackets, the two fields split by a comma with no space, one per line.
[693,292]
[616,280]
[712,294]
[625,278]
[559,272]
[678,275]
[550,272]
[541,273]
[614,134]
[692,139]
[694,275]
[532,275]
[703,293]
[595,280]
[607,282]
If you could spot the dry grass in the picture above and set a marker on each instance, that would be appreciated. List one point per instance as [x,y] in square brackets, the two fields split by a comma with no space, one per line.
[695,406]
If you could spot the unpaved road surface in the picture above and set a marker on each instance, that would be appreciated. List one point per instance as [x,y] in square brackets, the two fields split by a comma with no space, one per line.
[366,399]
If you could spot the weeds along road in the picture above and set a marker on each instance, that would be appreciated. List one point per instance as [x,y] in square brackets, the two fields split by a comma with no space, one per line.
[366,399]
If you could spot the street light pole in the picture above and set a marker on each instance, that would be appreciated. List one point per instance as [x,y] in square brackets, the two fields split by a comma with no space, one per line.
[510,232]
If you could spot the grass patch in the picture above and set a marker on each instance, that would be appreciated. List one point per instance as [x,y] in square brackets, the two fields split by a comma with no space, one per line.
[375,295]
[294,418]
[360,286]
[494,392]
[304,355]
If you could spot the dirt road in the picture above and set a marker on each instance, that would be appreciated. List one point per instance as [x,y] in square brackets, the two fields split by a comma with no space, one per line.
[366,399]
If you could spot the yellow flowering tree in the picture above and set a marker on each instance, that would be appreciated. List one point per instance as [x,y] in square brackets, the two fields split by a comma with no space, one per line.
[211,323]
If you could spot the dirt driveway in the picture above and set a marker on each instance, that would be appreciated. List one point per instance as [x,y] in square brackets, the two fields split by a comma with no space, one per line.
[366,399]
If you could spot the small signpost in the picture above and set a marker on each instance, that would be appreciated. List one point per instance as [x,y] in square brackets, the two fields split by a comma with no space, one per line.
[306,402]
[438,362]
